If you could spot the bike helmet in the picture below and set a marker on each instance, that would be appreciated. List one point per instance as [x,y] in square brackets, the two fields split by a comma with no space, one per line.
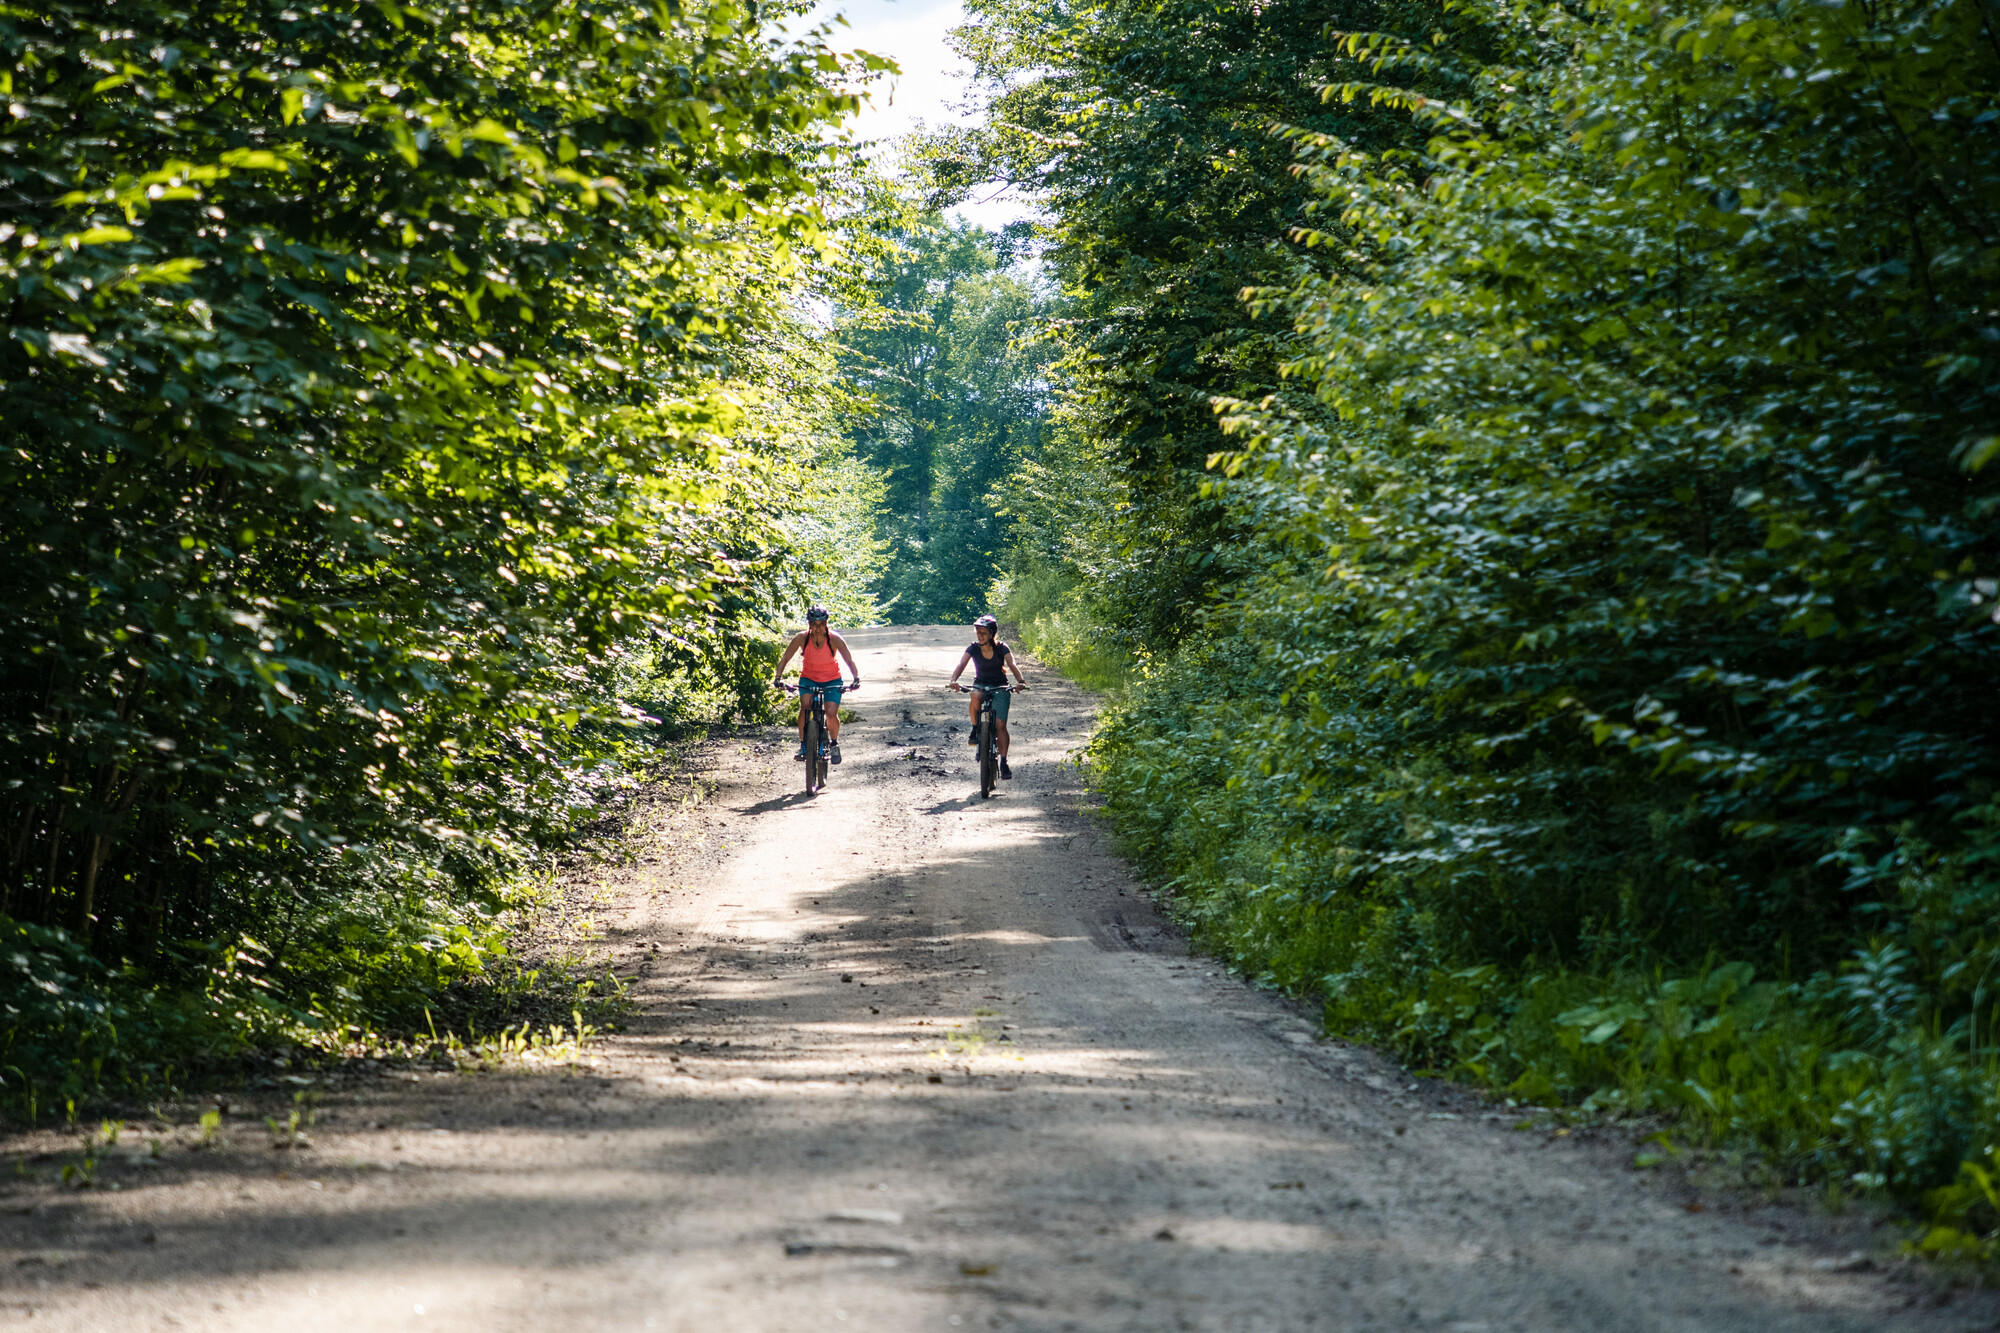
[987,622]
[815,613]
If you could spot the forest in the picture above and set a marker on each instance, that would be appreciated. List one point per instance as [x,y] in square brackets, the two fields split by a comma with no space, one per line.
[1523,479]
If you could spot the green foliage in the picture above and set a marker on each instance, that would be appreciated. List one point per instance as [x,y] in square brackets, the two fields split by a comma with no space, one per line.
[1965,1215]
[389,397]
[934,340]
[1056,505]
[835,536]
[70,1028]
[1684,520]
[1141,130]
[1592,702]
[1050,615]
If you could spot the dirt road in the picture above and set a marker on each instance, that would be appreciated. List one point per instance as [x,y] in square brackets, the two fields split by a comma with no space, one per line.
[906,1059]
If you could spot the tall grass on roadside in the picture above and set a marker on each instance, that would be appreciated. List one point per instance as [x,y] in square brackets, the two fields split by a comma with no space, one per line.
[1052,618]
[75,1033]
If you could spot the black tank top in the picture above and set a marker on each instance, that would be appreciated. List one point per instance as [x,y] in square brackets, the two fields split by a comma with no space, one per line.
[993,672]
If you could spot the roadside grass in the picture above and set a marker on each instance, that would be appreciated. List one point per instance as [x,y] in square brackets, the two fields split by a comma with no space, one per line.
[1849,1079]
[1046,612]
[100,1041]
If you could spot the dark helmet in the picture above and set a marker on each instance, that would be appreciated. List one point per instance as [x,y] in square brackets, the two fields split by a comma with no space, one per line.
[815,613]
[987,622]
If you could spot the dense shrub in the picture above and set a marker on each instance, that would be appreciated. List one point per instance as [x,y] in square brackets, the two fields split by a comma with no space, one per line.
[1602,710]
[379,384]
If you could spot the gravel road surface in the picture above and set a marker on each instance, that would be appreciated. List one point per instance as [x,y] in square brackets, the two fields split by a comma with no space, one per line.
[906,1059]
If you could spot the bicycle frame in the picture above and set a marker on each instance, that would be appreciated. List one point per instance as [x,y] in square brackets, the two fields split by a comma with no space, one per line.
[815,737]
[986,733]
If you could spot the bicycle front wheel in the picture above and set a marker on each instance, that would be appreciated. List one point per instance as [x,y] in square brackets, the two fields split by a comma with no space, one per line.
[989,759]
[812,752]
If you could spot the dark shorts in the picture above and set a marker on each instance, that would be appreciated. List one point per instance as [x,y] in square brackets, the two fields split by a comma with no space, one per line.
[831,688]
[1001,698]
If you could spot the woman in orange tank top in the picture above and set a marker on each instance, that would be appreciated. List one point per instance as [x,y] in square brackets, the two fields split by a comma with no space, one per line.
[816,659]
[818,643]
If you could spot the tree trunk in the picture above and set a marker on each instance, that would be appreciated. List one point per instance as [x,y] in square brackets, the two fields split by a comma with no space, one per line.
[100,845]
[86,893]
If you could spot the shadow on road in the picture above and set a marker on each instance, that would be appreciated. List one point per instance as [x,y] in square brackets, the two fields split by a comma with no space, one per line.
[790,800]
[972,802]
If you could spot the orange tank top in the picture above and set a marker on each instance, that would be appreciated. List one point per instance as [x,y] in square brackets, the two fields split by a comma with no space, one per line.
[817,663]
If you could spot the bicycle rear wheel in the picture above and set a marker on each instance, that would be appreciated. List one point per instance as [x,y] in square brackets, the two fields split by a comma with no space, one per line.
[812,751]
[989,760]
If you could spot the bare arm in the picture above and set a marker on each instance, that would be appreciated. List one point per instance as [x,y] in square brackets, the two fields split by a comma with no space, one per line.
[1014,665]
[790,648]
[963,658]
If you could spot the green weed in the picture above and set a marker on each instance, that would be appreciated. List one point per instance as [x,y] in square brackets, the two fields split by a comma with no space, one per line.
[209,1125]
[82,1173]
[1965,1215]
[291,1131]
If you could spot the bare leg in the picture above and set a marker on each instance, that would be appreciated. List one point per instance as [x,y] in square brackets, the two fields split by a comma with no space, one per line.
[833,724]
[802,721]
[1002,725]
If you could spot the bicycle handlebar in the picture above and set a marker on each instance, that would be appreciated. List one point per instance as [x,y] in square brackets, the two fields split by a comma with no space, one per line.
[787,687]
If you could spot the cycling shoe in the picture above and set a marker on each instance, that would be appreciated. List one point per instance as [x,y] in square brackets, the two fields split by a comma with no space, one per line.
[833,754]
[801,755]
[1005,771]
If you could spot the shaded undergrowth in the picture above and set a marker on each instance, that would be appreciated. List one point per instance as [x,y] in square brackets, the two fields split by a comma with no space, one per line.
[403,978]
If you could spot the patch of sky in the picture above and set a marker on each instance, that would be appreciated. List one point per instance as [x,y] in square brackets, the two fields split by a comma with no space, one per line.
[934,88]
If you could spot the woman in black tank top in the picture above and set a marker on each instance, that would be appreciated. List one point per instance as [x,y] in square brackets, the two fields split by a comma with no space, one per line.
[988,670]
[991,661]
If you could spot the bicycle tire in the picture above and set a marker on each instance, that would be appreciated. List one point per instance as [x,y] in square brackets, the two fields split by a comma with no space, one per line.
[825,746]
[812,750]
[989,762]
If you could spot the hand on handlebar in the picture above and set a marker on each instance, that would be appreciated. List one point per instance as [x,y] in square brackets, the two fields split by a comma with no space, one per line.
[954,687]
[854,685]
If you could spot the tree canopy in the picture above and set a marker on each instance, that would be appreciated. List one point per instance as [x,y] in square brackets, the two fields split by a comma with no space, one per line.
[939,339]
[376,379]
[1143,132]
[1598,627]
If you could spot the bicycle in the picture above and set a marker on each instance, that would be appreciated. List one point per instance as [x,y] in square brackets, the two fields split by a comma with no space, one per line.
[984,735]
[815,735]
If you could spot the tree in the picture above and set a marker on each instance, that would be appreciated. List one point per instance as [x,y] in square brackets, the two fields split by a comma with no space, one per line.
[362,391]
[1621,561]
[944,349]
[1144,132]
